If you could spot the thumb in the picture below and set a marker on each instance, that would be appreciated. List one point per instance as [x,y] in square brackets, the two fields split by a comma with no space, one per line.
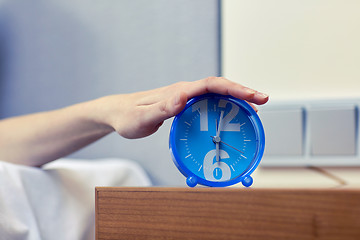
[172,106]
[179,102]
[156,113]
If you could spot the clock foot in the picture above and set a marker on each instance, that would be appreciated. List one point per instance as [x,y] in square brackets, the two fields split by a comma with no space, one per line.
[191,181]
[247,181]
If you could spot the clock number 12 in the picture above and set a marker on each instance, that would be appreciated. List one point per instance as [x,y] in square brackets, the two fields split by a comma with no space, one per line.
[202,108]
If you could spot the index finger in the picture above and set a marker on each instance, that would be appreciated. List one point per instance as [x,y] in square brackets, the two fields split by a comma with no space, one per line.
[224,86]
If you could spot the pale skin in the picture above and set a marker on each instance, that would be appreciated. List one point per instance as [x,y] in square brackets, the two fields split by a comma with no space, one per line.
[39,138]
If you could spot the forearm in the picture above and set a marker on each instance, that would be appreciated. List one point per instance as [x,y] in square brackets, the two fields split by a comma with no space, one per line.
[39,138]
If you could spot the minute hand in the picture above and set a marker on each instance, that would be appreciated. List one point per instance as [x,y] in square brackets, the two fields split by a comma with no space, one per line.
[229,145]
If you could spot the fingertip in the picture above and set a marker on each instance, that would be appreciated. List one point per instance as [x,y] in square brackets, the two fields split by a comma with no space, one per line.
[262,98]
[254,96]
[262,95]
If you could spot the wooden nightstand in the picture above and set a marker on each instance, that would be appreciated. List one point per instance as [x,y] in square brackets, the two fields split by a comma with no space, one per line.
[227,213]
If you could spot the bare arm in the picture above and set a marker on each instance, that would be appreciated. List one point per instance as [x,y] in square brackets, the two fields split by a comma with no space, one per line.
[42,137]
[39,138]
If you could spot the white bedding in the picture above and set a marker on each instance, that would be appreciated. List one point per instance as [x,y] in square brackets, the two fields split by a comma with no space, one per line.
[57,201]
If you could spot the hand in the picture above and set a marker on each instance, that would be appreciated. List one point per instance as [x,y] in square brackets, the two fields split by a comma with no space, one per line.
[141,114]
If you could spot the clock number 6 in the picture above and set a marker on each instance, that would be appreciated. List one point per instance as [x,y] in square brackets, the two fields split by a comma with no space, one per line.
[211,166]
[202,107]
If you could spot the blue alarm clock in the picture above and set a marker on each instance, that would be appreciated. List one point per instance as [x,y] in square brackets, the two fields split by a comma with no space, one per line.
[217,141]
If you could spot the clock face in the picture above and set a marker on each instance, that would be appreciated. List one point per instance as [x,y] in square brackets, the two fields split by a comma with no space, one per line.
[217,140]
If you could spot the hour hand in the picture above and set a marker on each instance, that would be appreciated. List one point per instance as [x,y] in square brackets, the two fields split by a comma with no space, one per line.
[217,139]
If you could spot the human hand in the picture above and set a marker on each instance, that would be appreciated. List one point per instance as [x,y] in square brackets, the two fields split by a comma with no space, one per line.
[140,114]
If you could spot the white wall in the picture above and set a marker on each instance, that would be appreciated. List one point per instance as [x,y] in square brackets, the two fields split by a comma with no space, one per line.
[293,49]
[299,51]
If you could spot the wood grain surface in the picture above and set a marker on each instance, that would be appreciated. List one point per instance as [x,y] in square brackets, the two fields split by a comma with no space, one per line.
[227,213]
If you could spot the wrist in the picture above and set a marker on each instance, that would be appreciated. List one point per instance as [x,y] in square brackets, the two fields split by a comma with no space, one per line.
[94,114]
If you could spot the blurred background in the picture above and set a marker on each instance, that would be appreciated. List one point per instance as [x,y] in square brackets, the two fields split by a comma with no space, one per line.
[293,50]
[55,53]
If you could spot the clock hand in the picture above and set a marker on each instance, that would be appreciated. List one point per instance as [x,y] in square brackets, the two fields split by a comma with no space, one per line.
[217,143]
[231,147]
[218,140]
[219,126]
[217,152]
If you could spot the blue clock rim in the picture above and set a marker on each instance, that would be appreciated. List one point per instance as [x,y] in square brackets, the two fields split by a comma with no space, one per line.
[259,132]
